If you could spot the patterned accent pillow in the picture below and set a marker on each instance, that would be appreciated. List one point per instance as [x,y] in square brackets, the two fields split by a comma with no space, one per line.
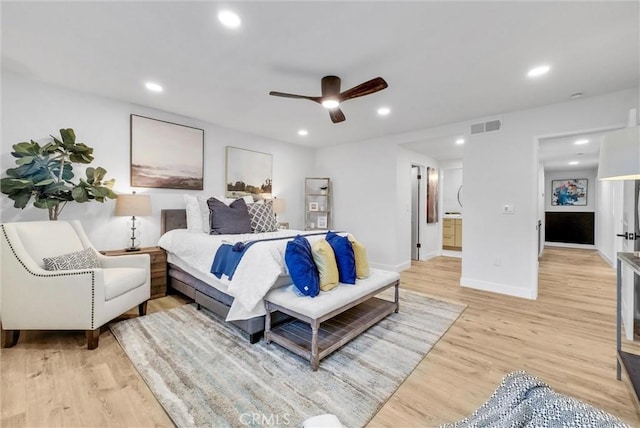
[85,259]
[262,217]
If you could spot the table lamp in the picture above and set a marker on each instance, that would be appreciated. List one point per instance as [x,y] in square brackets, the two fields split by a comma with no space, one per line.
[133,205]
[278,207]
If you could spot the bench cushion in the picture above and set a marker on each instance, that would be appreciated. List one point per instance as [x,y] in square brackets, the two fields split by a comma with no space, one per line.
[329,301]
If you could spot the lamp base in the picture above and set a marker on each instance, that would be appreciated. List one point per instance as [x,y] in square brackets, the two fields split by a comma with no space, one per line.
[131,249]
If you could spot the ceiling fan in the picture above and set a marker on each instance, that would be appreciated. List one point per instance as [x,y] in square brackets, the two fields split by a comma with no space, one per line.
[332,97]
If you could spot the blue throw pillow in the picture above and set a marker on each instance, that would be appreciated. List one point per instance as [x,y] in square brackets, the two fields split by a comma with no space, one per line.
[302,269]
[344,257]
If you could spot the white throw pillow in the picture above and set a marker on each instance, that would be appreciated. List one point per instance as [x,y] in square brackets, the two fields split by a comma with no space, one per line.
[194,215]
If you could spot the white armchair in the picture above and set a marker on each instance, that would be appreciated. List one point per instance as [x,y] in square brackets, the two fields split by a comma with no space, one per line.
[32,298]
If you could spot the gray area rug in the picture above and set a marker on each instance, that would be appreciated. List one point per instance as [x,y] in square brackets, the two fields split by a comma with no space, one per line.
[205,374]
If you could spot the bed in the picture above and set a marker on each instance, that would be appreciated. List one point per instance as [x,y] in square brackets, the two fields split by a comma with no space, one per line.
[207,291]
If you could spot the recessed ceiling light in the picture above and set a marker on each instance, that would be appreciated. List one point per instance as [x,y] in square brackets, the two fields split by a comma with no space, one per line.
[229,19]
[154,87]
[330,104]
[383,111]
[460,141]
[573,163]
[538,71]
[580,142]
[303,132]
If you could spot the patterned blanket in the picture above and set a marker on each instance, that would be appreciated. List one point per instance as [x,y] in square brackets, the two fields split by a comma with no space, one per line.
[523,400]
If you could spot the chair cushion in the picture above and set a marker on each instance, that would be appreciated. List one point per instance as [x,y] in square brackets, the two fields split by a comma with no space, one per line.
[118,281]
[85,259]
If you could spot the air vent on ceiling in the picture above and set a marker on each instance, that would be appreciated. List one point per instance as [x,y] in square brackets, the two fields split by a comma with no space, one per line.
[490,126]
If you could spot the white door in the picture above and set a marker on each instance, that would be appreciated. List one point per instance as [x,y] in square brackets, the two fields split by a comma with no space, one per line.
[626,221]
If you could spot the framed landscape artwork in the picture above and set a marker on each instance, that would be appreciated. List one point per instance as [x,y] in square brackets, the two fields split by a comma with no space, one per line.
[432,195]
[166,155]
[248,173]
[572,191]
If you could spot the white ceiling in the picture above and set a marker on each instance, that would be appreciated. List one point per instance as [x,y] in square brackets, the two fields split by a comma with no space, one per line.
[444,61]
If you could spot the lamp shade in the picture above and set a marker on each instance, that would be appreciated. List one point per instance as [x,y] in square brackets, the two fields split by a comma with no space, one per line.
[620,155]
[133,205]
[278,206]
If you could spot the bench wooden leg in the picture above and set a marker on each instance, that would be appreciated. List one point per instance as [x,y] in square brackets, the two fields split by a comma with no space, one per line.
[142,308]
[10,338]
[315,360]
[93,336]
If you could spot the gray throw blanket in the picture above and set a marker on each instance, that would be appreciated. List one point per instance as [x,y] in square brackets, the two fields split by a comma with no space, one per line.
[523,400]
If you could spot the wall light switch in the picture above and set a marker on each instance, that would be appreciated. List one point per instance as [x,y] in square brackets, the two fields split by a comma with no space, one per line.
[507,209]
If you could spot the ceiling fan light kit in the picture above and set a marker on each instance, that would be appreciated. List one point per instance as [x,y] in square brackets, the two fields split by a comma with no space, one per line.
[331,97]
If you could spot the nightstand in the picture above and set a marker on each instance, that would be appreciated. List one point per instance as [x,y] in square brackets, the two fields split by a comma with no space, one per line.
[158,267]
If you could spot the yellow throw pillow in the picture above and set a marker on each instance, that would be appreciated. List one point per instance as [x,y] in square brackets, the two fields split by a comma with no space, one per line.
[325,260]
[360,253]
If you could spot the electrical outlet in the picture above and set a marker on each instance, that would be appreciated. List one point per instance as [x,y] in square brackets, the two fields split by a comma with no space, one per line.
[507,209]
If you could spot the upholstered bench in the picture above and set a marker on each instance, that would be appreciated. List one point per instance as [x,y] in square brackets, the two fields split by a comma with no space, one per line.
[324,323]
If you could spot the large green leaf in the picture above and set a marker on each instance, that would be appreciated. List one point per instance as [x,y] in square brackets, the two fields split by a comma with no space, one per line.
[26,149]
[20,200]
[80,194]
[10,185]
[68,137]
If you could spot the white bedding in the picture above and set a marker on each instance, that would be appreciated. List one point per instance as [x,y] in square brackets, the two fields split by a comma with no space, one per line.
[261,266]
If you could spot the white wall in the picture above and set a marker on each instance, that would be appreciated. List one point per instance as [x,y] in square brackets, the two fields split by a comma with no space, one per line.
[500,251]
[33,110]
[365,201]
[451,182]
[606,212]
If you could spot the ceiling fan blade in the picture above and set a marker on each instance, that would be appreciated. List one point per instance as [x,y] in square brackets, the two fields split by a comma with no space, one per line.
[366,88]
[285,95]
[330,86]
[336,115]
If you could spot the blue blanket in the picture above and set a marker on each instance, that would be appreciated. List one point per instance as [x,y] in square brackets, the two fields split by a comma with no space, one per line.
[228,256]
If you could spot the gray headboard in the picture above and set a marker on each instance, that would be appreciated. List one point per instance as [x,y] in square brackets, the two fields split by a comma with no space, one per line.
[172,219]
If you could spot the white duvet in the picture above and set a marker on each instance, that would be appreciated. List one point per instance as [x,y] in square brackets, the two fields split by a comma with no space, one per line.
[258,270]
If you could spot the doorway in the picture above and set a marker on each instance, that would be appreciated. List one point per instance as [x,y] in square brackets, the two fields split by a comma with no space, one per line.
[416,178]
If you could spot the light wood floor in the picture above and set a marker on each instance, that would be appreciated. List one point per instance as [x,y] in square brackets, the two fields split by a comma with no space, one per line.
[566,338]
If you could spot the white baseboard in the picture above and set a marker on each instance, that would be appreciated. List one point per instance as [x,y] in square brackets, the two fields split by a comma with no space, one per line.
[429,256]
[495,287]
[568,245]
[397,268]
[610,262]
[450,253]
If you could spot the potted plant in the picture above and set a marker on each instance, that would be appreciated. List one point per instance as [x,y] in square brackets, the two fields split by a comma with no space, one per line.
[45,173]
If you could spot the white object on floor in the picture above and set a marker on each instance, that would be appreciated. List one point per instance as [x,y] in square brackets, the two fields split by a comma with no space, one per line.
[322,421]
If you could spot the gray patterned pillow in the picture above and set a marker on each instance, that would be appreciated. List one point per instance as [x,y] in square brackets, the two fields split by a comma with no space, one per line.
[85,259]
[262,217]
[232,219]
